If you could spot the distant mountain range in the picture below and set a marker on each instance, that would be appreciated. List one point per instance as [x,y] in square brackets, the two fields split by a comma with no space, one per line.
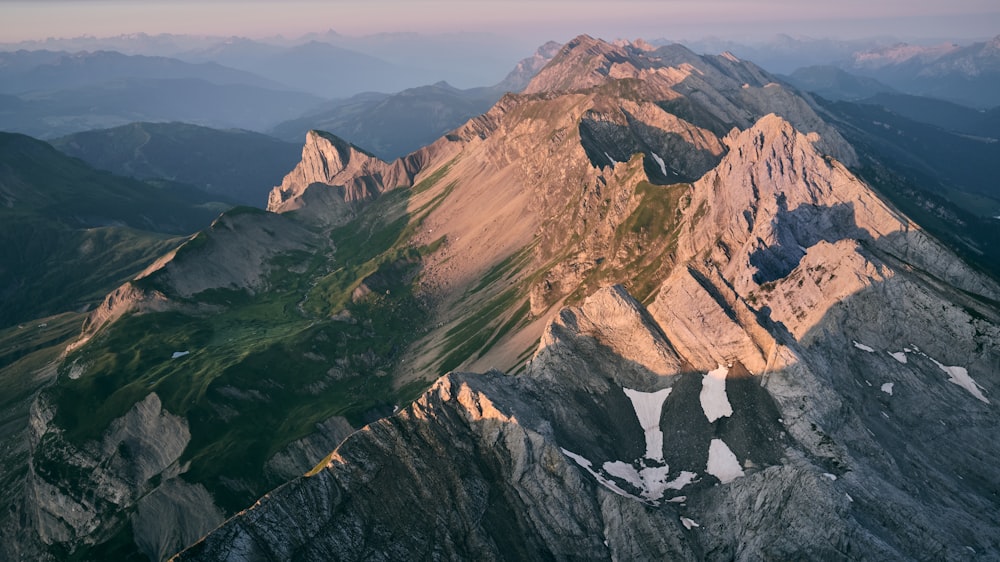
[393,125]
[834,83]
[70,232]
[51,93]
[118,102]
[467,59]
[238,165]
[783,53]
[318,68]
[969,75]
[24,72]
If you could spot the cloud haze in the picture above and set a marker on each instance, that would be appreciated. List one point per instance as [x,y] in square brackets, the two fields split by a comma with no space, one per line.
[557,19]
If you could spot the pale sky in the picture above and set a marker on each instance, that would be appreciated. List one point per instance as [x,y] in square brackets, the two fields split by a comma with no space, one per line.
[533,20]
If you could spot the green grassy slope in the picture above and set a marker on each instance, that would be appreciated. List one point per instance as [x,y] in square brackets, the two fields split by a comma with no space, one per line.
[263,369]
[70,233]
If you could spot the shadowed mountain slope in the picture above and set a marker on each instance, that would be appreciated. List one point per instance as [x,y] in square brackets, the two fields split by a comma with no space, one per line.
[239,165]
[72,232]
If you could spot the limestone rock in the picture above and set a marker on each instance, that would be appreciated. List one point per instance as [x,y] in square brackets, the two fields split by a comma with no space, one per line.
[328,162]
[133,465]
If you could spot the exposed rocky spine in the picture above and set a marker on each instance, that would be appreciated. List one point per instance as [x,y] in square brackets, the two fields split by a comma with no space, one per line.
[794,286]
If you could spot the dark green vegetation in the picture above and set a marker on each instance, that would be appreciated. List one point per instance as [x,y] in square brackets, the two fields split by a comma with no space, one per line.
[391,126]
[27,356]
[71,233]
[264,369]
[946,115]
[643,243]
[961,166]
[942,180]
[239,165]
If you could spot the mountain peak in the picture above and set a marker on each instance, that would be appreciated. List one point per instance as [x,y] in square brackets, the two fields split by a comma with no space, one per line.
[527,68]
[585,62]
[335,173]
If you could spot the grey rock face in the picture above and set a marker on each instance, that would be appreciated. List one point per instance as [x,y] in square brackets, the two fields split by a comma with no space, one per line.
[135,464]
[173,515]
[807,383]
[288,463]
[555,463]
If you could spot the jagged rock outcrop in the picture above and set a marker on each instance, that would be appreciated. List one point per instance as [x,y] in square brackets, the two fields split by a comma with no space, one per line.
[612,135]
[715,92]
[331,162]
[134,464]
[541,465]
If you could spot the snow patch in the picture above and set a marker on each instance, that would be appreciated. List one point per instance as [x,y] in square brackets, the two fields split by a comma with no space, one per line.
[887,388]
[898,356]
[678,499]
[624,471]
[613,161]
[179,354]
[585,464]
[960,376]
[682,480]
[714,401]
[722,463]
[648,406]
[849,498]
[832,477]
[651,480]
[663,165]
[649,474]
[688,523]
[863,347]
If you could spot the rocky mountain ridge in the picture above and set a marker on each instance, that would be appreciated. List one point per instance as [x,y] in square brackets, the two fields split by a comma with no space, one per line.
[776,368]
[708,325]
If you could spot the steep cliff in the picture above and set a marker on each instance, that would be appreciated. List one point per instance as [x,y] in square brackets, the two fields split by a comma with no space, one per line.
[329,163]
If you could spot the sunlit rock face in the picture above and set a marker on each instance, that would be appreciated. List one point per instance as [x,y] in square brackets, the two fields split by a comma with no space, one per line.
[812,377]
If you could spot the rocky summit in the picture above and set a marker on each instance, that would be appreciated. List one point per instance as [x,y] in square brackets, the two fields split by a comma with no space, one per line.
[646,309]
